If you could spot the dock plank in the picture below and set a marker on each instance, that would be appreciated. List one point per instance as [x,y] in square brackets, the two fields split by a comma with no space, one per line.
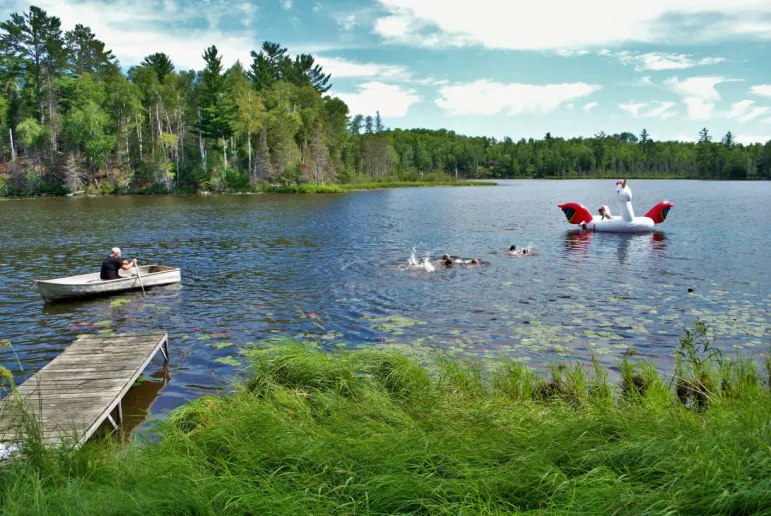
[71,396]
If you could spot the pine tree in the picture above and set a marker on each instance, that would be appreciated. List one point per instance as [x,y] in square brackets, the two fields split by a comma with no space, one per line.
[160,63]
[86,53]
[218,108]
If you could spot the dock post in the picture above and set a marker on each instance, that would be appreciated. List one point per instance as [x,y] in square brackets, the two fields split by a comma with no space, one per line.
[165,350]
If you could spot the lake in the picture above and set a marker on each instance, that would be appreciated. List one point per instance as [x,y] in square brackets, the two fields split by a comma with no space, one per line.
[333,268]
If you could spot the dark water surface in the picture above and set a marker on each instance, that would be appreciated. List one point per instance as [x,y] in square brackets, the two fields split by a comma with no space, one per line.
[334,266]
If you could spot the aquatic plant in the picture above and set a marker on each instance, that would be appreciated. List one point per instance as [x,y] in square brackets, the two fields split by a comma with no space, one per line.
[312,432]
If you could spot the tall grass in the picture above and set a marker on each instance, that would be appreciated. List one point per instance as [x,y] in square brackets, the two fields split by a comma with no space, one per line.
[369,432]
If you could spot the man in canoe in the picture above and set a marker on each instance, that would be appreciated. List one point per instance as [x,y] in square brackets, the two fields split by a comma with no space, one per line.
[114,263]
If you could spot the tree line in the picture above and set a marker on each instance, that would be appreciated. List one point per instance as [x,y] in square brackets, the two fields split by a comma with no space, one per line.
[72,120]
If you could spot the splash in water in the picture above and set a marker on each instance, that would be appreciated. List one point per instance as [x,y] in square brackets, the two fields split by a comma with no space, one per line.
[415,263]
[527,250]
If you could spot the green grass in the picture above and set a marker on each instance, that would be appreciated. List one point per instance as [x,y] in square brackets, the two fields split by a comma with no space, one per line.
[369,432]
[341,188]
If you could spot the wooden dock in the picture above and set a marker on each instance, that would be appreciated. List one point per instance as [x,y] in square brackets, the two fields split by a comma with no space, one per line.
[82,387]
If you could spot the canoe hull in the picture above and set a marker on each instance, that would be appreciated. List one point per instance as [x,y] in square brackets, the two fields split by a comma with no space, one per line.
[89,285]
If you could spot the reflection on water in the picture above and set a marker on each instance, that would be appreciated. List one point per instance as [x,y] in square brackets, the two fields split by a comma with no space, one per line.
[340,269]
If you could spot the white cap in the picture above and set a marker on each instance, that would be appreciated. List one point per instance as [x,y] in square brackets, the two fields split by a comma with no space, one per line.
[115,250]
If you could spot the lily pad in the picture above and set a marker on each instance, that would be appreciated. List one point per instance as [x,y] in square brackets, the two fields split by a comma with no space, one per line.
[220,345]
[106,331]
[116,303]
[228,361]
[102,324]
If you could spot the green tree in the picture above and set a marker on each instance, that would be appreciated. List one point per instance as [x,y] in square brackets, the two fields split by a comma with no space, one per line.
[160,63]
[86,53]
[88,125]
[250,117]
[34,40]
[218,108]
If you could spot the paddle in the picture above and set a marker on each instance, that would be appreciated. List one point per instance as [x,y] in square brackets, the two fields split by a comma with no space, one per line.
[139,277]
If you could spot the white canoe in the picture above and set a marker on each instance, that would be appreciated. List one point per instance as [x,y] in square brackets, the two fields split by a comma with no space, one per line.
[90,285]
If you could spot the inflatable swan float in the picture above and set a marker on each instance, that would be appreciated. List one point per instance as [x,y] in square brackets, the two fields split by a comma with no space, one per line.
[626,223]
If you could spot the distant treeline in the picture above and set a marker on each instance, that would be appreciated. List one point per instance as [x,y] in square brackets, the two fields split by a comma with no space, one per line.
[72,120]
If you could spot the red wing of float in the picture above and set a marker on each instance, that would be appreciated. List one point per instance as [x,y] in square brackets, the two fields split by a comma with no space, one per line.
[659,212]
[576,213]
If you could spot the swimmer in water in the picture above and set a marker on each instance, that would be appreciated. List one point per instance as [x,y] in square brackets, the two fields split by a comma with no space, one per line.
[475,261]
[512,250]
[526,251]
[447,261]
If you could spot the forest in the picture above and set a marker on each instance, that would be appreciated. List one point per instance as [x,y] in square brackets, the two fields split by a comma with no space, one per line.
[73,120]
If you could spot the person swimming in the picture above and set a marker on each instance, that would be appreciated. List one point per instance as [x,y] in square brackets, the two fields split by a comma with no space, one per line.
[475,261]
[512,250]
[447,261]
[525,251]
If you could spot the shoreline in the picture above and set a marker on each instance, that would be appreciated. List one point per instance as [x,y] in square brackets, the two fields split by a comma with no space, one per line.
[308,430]
[271,189]
[359,187]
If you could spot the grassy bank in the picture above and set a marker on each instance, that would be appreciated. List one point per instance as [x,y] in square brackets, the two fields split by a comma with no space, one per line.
[368,432]
[365,186]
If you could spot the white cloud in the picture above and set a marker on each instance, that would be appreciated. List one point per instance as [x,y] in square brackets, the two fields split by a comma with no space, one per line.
[591,105]
[699,94]
[633,108]
[430,81]
[390,99]
[748,140]
[763,90]
[739,108]
[662,111]
[287,4]
[743,111]
[645,81]
[661,61]
[699,109]
[753,114]
[133,29]
[485,97]
[339,67]
[570,107]
[579,25]
[701,97]
[699,87]
[348,22]
[567,52]
[317,7]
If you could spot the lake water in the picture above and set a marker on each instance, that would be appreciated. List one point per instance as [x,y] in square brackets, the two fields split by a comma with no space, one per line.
[334,268]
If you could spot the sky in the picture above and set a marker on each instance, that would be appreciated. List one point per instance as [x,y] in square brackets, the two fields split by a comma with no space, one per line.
[484,67]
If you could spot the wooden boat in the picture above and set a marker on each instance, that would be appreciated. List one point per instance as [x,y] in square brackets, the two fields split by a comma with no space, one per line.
[87,285]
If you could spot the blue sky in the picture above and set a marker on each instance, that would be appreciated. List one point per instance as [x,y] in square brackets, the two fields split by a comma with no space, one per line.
[485,67]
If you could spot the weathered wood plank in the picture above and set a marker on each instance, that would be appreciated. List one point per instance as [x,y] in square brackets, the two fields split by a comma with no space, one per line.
[73,394]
